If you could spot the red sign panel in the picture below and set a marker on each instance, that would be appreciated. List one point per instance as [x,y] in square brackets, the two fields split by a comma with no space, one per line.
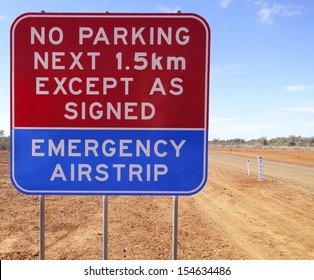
[91,70]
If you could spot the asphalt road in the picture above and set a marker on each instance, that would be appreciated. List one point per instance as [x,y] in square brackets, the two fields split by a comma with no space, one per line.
[288,173]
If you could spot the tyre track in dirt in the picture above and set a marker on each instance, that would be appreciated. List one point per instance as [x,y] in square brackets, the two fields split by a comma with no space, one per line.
[287,172]
[266,220]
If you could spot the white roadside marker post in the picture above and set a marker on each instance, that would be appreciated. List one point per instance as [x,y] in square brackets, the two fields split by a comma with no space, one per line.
[260,169]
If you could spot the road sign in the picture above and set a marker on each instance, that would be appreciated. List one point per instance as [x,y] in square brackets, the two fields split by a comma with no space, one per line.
[109,103]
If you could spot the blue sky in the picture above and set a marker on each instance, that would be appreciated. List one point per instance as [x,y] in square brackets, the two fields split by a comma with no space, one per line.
[262,60]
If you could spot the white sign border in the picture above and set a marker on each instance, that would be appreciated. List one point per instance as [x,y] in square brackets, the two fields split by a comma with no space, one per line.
[113,15]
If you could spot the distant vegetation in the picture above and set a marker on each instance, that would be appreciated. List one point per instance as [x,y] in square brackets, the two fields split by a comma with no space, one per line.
[263,142]
[4,141]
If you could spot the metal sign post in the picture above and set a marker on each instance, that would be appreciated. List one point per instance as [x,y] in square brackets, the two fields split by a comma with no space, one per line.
[41,227]
[175,228]
[105,227]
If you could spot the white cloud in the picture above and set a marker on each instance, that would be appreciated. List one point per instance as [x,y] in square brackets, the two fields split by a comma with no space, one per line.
[232,68]
[297,88]
[233,72]
[267,12]
[229,70]
[307,124]
[244,130]
[258,127]
[220,120]
[167,9]
[3,18]
[225,3]
[301,109]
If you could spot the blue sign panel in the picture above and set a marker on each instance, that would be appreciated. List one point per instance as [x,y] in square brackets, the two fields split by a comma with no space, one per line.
[117,162]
